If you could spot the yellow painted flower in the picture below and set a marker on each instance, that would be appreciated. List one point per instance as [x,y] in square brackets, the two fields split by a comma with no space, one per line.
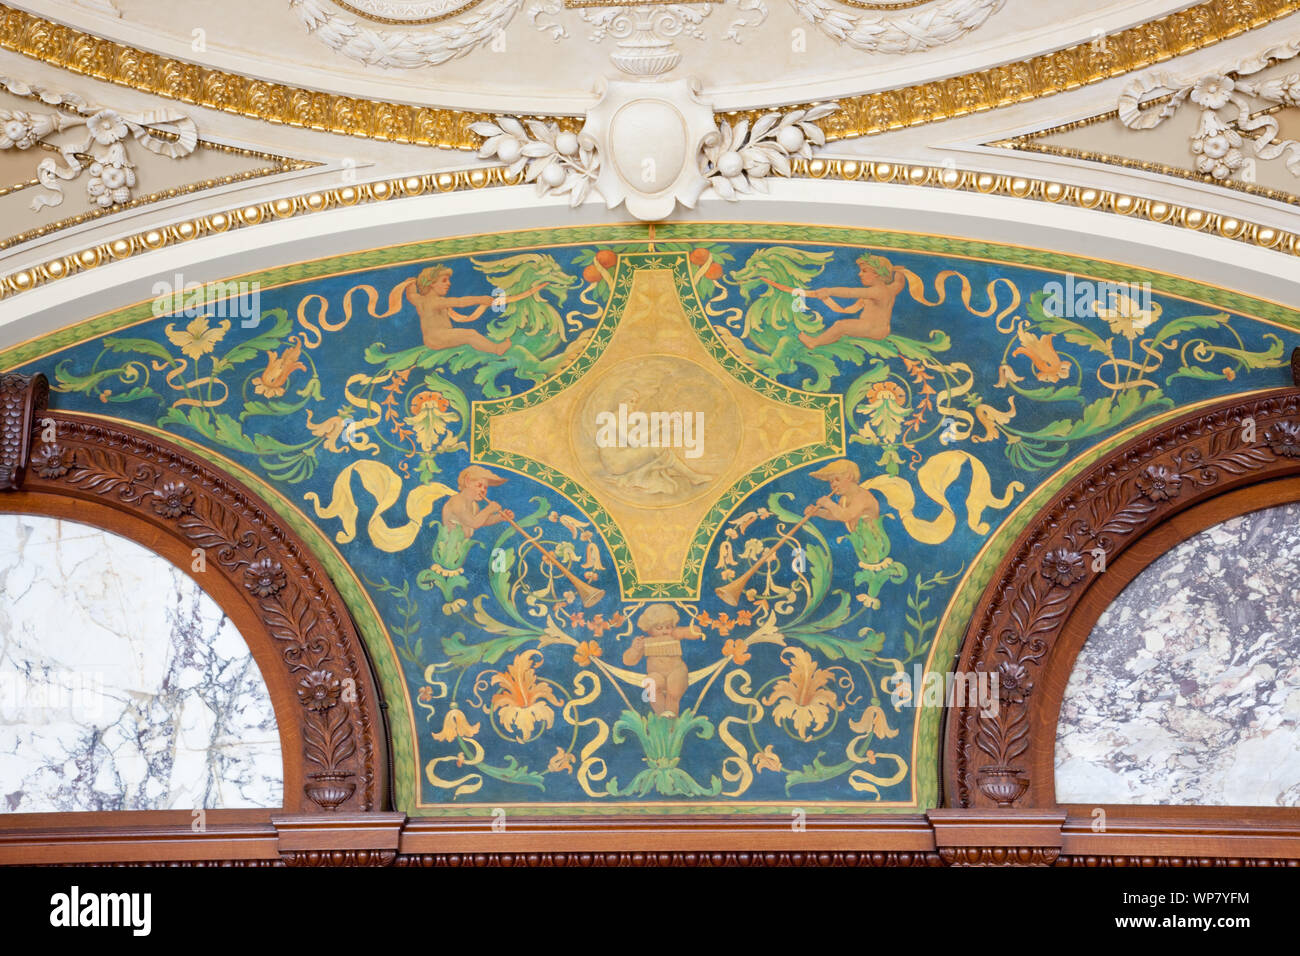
[767,759]
[272,382]
[330,429]
[802,698]
[197,339]
[1007,374]
[585,652]
[521,704]
[562,762]
[1048,366]
[872,721]
[1126,317]
[454,725]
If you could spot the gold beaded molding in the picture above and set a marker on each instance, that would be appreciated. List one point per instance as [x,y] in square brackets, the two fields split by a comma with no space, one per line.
[1029,143]
[934,177]
[1137,47]
[277,165]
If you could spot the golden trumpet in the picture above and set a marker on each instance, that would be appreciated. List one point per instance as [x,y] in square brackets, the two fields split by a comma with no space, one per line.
[731,593]
[587,594]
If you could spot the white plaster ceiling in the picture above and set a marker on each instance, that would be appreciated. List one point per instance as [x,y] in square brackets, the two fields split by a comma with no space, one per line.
[544,56]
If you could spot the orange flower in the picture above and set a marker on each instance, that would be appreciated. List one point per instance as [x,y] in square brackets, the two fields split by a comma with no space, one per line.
[737,650]
[521,704]
[585,652]
[703,619]
[426,693]
[881,391]
[724,624]
[916,370]
[598,625]
[273,381]
[428,398]
[431,418]
[744,618]
[1048,366]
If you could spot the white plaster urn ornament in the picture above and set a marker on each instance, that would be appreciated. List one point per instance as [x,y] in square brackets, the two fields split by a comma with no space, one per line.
[410,34]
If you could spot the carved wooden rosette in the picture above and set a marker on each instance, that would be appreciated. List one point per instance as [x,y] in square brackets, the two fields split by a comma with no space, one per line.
[336,722]
[1059,557]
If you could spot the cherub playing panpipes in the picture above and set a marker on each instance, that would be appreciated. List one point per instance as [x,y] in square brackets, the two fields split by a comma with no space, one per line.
[660,643]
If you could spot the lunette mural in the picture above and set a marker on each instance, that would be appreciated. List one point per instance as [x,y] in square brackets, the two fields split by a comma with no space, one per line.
[669,524]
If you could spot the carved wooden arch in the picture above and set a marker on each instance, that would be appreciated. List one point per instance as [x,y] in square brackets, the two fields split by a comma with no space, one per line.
[1033,618]
[259,572]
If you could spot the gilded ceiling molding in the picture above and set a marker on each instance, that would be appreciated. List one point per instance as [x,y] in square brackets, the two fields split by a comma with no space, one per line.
[933,177]
[64,47]
[1131,49]
[1028,145]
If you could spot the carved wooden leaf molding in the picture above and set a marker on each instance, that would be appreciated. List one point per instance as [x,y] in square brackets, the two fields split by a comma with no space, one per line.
[1025,609]
[324,661]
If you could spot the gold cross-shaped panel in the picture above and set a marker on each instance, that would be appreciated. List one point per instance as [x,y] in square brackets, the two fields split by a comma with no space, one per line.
[658,507]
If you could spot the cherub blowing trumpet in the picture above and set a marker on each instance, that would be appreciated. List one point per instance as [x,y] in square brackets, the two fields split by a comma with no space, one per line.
[857,508]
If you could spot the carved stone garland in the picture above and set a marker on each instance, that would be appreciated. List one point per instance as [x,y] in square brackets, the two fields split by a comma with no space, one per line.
[89,138]
[1018,621]
[303,615]
[1218,143]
